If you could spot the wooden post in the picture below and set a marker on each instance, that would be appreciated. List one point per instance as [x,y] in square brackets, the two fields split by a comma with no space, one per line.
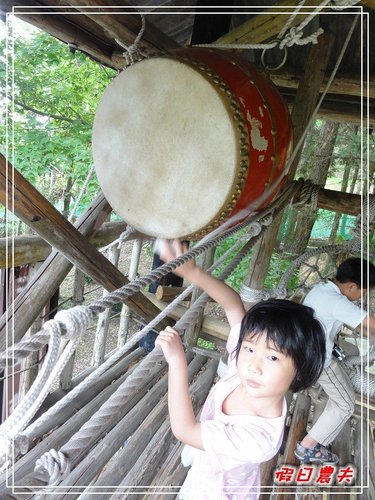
[104,317]
[304,104]
[169,293]
[30,363]
[125,311]
[191,334]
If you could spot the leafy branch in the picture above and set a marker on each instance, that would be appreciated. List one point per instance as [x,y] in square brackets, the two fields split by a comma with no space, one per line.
[26,107]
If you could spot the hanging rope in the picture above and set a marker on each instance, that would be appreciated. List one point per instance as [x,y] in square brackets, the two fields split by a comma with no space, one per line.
[132,52]
[74,326]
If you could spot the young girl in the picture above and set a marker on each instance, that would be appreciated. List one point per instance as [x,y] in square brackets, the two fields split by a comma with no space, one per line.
[276,346]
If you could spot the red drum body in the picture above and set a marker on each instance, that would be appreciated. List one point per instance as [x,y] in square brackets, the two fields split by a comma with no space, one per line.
[184,142]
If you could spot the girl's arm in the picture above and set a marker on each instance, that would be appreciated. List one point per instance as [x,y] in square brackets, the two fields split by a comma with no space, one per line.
[216,289]
[181,414]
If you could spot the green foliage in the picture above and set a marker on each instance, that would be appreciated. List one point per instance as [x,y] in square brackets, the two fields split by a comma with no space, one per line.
[236,279]
[205,344]
[278,265]
[55,94]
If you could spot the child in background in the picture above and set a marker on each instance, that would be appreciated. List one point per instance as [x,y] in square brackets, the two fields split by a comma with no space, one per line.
[276,346]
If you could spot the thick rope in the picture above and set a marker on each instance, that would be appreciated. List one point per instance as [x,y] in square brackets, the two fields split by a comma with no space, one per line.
[309,194]
[354,366]
[51,369]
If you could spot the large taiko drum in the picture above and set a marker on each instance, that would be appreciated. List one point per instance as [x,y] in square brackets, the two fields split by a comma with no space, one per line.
[185,141]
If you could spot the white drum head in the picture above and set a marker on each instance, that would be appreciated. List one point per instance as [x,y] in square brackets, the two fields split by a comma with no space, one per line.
[165,148]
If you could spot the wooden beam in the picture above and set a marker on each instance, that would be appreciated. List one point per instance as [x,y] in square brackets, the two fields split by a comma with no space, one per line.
[91,33]
[288,78]
[340,110]
[30,248]
[30,302]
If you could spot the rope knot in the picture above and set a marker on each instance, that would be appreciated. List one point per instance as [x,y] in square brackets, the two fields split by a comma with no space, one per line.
[291,38]
[254,229]
[55,463]
[295,37]
[75,320]
[254,295]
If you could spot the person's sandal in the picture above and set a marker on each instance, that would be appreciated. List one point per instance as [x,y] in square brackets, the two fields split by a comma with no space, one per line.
[317,455]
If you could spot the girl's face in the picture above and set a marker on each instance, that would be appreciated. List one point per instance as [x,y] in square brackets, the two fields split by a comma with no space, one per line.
[265,372]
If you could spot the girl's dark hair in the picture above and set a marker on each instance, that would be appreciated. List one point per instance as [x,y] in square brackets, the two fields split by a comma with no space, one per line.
[294,330]
[354,270]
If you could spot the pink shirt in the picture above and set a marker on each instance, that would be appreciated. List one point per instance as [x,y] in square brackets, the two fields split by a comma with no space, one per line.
[234,445]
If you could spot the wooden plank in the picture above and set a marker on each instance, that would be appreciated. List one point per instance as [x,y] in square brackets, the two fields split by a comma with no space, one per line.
[338,110]
[267,25]
[31,207]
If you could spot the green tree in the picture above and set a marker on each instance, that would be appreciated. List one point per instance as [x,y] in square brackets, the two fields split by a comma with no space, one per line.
[55,93]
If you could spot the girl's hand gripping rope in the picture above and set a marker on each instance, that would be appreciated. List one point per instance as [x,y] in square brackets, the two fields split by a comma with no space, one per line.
[171,345]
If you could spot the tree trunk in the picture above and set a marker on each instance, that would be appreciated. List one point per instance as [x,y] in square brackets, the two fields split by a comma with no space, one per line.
[67,197]
[321,161]
[336,221]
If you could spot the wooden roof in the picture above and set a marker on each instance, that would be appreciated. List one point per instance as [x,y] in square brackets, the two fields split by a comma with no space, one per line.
[93,26]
